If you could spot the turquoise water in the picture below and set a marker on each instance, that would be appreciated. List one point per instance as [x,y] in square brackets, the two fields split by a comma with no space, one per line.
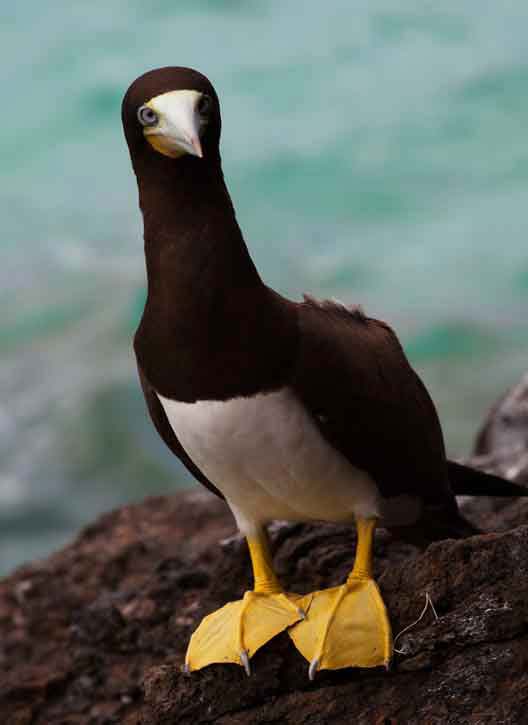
[376,151]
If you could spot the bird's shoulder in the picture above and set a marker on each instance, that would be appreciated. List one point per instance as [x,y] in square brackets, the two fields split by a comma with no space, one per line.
[343,350]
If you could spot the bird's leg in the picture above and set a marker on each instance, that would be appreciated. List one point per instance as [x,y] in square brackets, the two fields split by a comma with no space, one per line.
[347,626]
[236,631]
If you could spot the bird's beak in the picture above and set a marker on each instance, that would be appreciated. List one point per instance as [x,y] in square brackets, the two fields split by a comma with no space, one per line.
[177,131]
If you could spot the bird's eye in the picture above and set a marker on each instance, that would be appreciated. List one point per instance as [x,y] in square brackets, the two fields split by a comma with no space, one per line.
[146,116]
[204,105]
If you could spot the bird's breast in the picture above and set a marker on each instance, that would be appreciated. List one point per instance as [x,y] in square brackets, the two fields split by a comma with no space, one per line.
[267,456]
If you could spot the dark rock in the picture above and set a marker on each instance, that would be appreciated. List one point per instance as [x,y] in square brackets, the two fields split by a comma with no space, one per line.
[501,447]
[97,632]
[505,432]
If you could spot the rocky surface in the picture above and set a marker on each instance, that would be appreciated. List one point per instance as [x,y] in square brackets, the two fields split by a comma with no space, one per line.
[501,447]
[96,633]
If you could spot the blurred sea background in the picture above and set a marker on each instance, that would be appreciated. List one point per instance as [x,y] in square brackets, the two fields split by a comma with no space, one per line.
[376,152]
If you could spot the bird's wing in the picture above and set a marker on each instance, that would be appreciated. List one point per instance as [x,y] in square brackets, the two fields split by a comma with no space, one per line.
[353,376]
[165,430]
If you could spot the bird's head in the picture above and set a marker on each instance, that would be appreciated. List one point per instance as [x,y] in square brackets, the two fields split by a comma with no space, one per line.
[173,113]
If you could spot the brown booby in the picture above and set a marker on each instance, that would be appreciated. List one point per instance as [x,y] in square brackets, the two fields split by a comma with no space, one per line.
[300,411]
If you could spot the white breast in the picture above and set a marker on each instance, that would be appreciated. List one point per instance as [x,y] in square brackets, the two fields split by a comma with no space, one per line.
[268,458]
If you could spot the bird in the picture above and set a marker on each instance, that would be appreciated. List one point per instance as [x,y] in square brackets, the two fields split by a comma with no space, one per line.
[291,410]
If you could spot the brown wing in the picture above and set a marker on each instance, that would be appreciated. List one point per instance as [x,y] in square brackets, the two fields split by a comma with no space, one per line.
[369,403]
[165,430]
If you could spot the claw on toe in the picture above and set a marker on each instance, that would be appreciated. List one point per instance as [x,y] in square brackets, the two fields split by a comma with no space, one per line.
[244,659]
[347,626]
[236,631]
[312,670]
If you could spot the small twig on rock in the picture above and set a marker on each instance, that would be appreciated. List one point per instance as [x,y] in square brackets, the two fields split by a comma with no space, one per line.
[428,603]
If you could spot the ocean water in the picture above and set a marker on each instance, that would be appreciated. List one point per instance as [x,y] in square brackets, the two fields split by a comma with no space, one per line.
[376,152]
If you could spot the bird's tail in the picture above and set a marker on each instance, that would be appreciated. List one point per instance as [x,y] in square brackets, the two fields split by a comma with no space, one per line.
[466,481]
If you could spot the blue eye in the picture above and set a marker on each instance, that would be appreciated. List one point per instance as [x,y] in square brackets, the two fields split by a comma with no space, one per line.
[146,116]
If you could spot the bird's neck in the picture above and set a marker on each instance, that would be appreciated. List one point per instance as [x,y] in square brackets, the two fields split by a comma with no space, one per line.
[206,303]
[193,245]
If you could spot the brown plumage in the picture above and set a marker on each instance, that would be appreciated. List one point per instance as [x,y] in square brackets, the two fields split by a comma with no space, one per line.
[212,330]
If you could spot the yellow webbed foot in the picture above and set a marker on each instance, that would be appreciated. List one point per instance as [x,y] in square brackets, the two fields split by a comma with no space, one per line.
[346,626]
[236,631]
